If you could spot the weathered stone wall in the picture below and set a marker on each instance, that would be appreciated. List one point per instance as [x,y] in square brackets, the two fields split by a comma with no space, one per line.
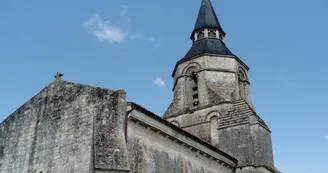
[238,131]
[217,83]
[53,132]
[156,151]
[237,141]
[198,123]
[110,149]
[262,145]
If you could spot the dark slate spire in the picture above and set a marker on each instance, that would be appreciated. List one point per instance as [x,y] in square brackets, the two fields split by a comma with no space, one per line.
[207,17]
[207,35]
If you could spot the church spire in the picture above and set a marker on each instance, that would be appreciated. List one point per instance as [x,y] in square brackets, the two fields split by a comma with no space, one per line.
[207,24]
[207,18]
[207,36]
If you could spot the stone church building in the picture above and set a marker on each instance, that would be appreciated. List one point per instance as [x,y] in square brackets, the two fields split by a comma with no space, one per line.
[211,125]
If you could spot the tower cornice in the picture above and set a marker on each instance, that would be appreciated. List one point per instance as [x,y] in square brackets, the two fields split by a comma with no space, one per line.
[208,54]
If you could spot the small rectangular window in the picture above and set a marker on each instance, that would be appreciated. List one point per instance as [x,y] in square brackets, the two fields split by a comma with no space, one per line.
[195,96]
[195,88]
[2,149]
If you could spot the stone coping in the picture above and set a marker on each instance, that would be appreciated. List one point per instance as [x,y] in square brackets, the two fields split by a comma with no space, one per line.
[269,168]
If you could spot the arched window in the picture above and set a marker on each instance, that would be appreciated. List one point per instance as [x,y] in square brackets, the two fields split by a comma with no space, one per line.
[242,80]
[214,120]
[191,87]
[214,130]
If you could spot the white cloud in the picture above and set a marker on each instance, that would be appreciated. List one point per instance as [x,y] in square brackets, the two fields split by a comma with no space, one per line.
[136,36]
[154,41]
[124,10]
[104,30]
[156,45]
[158,81]
[151,39]
[326,137]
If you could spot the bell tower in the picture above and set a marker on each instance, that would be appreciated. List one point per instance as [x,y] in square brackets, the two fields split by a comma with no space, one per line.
[209,73]
[212,97]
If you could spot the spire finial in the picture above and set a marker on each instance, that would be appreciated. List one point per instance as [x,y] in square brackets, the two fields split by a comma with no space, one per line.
[58,76]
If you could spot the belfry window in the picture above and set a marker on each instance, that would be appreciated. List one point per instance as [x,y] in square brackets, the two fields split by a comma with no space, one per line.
[194,89]
[221,36]
[200,35]
[242,84]
[211,33]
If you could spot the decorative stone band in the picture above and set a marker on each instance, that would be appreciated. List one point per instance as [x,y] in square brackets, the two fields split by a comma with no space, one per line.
[240,113]
[203,69]
[197,109]
[208,54]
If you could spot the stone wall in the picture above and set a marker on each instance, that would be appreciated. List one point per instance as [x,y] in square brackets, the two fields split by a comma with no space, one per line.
[217,83]
[239,132]
[54,131]
[157,148]
[110,149]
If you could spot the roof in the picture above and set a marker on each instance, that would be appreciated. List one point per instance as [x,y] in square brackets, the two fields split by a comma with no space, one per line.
[207,17]
[209,46]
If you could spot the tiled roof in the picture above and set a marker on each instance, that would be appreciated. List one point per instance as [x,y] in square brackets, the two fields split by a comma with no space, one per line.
[209,46]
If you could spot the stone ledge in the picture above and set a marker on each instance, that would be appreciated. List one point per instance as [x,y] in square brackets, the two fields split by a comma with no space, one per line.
[269,168]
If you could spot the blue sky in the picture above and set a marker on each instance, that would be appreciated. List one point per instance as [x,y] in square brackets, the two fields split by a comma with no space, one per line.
[134,45]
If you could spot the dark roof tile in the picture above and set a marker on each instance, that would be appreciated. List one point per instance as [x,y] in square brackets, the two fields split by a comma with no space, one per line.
[208,45]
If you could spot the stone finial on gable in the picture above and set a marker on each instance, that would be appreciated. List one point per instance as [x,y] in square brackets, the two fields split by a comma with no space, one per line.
[58,76]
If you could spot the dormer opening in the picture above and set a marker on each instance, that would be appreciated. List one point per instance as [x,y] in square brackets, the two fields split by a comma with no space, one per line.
[212,33]
[221,36]
[200,35]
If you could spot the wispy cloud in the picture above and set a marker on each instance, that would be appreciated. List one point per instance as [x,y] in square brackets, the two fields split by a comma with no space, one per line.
[136,36]
[104,30]
[124,10]
[151,39]
[326,137]
[154,41]
[159,82]
[124,13]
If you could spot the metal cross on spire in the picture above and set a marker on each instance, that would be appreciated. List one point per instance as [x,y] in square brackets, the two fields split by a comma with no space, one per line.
[58,76]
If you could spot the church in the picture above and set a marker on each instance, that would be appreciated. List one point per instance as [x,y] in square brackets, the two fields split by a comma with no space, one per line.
[211,126]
